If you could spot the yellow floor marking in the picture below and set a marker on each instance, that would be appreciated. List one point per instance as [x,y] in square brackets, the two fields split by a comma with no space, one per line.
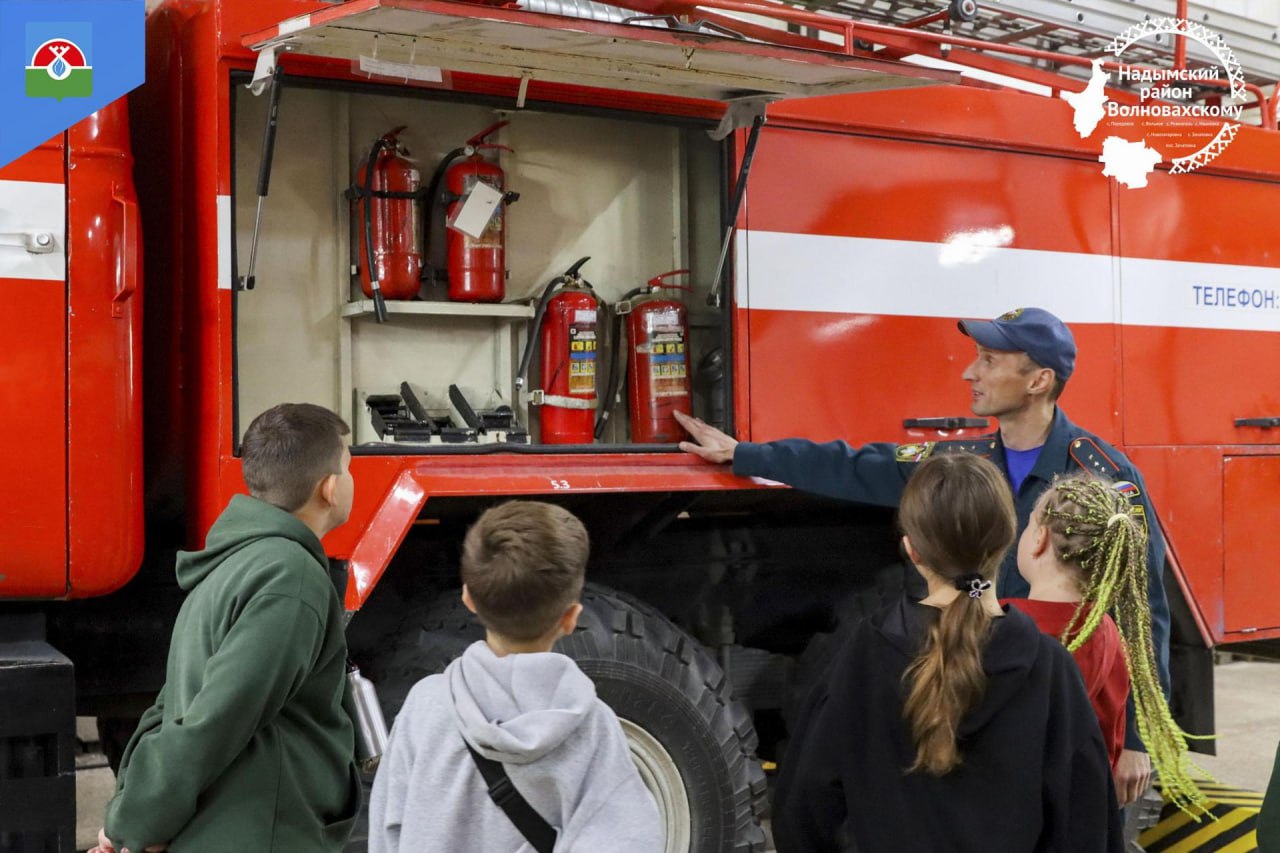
[1165,827]
[1193,841]
[1244,844]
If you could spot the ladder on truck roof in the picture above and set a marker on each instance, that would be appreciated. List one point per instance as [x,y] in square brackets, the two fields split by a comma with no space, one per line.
[1038,39]
[1084,28]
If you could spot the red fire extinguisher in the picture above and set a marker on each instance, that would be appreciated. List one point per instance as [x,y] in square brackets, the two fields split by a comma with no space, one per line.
[565,327]
[476,266]
[387,193]
[658,360]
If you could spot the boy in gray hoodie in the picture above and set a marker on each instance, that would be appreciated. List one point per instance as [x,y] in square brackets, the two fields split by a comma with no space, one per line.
[514,701]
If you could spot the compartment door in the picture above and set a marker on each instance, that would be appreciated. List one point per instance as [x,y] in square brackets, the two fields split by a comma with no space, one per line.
[1251,542]
[33,377]
[1200,304]
[413,38]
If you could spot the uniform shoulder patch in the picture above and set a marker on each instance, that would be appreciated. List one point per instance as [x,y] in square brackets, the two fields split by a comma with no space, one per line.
[1090,456]
[984,446]
[1126,488]
[913,452]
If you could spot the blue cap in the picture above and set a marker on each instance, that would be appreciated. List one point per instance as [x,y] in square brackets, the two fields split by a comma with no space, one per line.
[1035,331]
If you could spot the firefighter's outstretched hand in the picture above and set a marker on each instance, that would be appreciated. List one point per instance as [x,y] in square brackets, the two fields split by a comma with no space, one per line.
[708,442]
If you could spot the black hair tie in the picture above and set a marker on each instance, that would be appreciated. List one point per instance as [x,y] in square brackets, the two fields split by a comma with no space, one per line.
[974,584]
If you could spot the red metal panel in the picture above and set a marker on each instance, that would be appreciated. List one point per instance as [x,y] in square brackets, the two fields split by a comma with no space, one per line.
[104,390]
[1019,120]
[33,402]
[1184,486]
[391,490]
[1189,384]
[834,184]
[857,376]
[1251,541]
[210,409]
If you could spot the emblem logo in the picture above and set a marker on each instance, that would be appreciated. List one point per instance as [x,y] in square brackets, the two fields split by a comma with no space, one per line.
[59,66]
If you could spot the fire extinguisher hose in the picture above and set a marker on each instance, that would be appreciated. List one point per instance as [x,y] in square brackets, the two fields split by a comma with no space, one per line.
[433,193]
[617,363]
[538,316]
[379,304]
[568,275]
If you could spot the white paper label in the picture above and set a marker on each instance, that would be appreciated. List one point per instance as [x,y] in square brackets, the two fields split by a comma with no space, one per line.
[293,25]
[401,70]
[474,215]
[584,315]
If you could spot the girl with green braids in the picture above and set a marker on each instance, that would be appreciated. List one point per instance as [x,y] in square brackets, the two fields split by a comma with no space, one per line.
[1084,554]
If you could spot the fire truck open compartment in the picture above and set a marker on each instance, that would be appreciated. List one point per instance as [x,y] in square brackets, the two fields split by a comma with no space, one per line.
[640,195]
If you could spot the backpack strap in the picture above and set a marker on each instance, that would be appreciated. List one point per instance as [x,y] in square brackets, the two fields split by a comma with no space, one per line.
[532,825]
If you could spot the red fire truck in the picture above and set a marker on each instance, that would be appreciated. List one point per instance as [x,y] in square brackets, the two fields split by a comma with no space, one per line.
[381,205]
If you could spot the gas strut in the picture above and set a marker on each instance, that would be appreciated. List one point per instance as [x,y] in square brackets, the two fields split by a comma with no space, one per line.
[264,171]
[739,191]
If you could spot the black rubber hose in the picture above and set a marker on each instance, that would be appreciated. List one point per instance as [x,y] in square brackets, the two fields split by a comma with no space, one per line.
[433,191]
[615,359]
[540,314]
[379,306]
[538,317]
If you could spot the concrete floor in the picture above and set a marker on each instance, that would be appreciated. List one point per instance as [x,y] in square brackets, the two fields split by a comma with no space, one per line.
[1248,706]
[1247,694]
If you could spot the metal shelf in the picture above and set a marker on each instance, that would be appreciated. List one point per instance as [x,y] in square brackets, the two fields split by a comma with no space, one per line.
[492,310]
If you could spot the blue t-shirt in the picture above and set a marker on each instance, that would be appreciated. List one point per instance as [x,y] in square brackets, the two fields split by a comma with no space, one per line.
[1020,463]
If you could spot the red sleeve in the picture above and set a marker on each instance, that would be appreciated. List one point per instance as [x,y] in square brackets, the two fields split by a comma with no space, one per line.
[1101,662]
[1114,693]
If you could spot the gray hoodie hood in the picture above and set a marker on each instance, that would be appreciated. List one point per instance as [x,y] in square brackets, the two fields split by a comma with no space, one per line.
[517,708]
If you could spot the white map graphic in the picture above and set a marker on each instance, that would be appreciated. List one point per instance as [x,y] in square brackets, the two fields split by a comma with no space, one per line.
[1128,162]
[1088,104]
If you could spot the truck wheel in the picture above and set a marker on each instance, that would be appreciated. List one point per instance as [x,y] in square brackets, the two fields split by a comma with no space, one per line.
[692,743]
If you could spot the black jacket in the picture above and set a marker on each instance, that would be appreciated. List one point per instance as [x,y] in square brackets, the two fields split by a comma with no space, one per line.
[1034,774]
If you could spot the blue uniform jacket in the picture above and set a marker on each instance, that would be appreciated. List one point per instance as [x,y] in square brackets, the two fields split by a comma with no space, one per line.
[876,473]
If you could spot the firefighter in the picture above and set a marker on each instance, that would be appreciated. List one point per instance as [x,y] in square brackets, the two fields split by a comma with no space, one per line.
[1024,359]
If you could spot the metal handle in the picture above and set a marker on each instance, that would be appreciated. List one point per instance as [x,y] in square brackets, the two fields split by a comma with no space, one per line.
[127,282]
[35,242]
[1264,423]
[944,423]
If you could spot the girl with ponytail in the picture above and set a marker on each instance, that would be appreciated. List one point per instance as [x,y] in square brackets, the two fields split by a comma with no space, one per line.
[950,723]
[1084,555]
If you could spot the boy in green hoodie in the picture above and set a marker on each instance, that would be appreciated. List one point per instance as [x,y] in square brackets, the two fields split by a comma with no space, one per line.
[247,747]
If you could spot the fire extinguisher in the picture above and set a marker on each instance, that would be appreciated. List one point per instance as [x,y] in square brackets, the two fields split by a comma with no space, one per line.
[477,268]
[657,360]
[565,328]
[387,193]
